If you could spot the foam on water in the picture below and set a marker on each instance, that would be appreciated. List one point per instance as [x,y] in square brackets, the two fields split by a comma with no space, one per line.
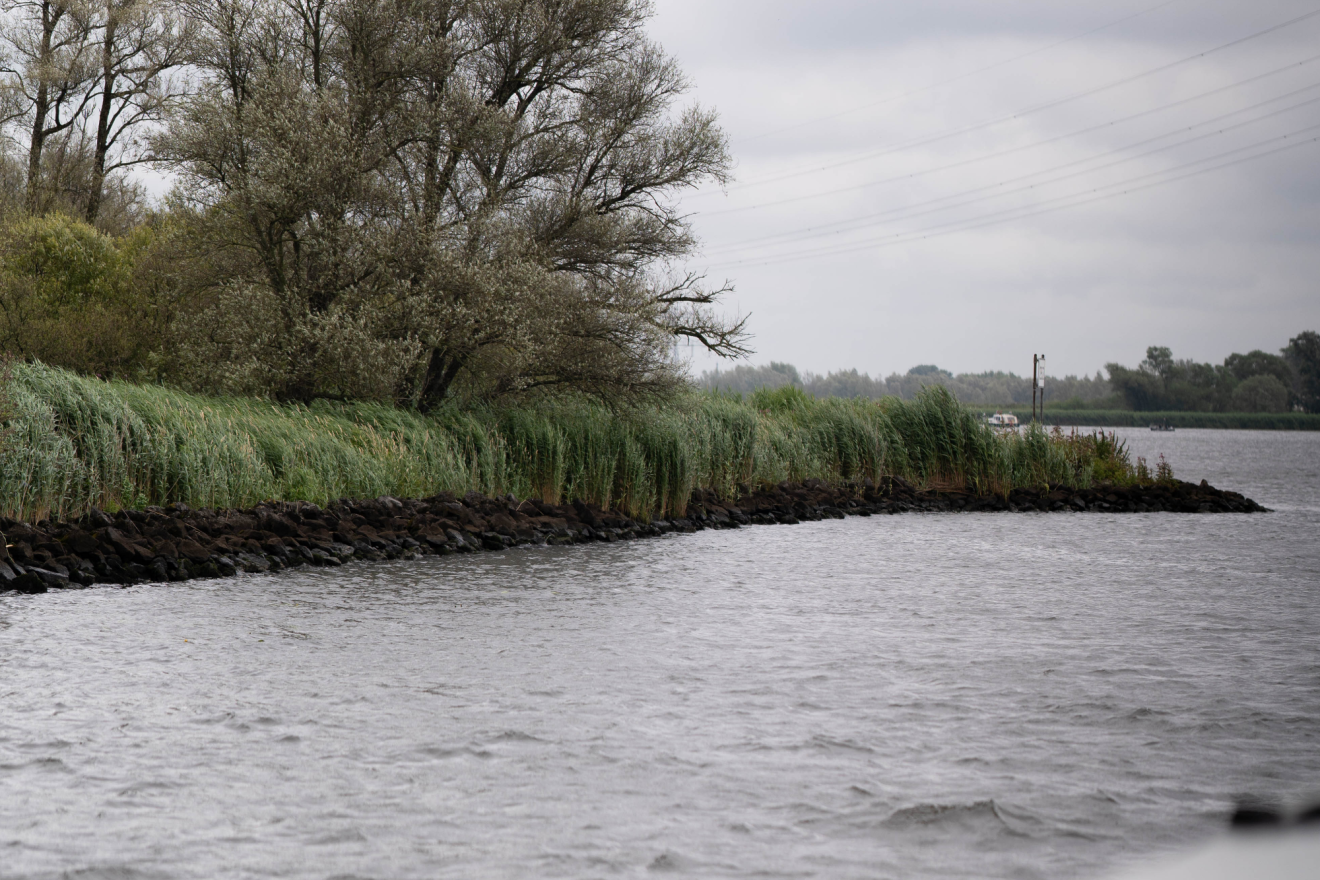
[964,695]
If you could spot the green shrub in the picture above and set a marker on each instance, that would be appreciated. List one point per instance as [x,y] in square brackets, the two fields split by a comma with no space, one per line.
[74,297]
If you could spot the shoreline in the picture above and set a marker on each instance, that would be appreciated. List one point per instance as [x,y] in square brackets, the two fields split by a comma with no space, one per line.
[177,543]
[1123,418]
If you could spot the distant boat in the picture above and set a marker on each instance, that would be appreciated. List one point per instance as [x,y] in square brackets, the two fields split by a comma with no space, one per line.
[1002,421]
[1162,426]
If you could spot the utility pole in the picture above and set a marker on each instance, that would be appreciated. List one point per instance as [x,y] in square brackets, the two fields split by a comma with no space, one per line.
[1038,384]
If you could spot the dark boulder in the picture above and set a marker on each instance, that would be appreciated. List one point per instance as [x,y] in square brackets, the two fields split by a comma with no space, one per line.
[26,583]
[80,542]
[193,551]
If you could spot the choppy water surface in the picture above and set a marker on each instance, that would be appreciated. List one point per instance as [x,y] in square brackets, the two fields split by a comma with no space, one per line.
[978,695]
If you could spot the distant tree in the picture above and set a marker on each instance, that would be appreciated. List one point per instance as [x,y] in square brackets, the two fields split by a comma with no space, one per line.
[845,383]
[745,379]
[1303,356]
[1244,382]
[983,389]
[1260,393]
[1161,382]
[788,370]
[1199,387]
[928,370]
[1159,361]
[1143,389]
[1259,363]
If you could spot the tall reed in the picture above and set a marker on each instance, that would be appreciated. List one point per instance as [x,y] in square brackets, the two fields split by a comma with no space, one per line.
[70,443]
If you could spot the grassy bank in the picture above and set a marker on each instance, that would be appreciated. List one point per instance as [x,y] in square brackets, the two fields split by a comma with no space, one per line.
[1118,418]
[71,443]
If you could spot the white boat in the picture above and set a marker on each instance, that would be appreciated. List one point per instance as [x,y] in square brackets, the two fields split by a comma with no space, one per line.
[1002,421]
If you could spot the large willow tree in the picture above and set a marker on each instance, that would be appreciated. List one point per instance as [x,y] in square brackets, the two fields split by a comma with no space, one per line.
[432,192]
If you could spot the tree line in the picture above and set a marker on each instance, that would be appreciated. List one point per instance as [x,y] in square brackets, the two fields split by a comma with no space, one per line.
[1253,382]
[398,200]
[973,389]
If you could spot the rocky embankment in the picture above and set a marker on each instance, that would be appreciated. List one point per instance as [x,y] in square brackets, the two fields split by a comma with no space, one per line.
[177,543]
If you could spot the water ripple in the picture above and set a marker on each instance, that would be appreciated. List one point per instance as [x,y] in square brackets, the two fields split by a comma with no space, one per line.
[921,696]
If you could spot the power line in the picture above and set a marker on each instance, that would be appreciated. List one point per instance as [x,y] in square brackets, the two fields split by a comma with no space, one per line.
[1036,108]
[1018,149]
[908,94]
[922,208]
[996,218]
[908,210]
[1009,215]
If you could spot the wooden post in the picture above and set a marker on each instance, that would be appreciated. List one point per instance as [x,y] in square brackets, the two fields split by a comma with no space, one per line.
[1033,388]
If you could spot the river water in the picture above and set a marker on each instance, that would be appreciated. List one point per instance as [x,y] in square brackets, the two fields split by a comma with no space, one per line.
[935,695]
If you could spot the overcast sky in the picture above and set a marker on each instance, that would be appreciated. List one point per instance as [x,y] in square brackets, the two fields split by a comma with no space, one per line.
[964,183]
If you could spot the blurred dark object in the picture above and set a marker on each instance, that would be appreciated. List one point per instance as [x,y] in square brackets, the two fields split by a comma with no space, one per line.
[1256,814]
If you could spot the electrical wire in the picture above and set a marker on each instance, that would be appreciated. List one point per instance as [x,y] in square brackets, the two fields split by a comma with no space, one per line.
[1018,149]
[1095,194]
[1023,112]
[923,208]
[996,218]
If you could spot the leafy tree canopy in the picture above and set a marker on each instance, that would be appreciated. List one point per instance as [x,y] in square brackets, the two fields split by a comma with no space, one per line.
[1253,382]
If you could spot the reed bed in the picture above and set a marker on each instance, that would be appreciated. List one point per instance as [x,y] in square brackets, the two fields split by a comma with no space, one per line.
[70,443]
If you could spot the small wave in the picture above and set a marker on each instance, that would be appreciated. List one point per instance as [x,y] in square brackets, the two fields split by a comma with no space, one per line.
[951,816]
[824,742]
[52,765]
[516,736]
[926,821]
[456,752]
[45,763]
[111,872]
[146,788]
[670,861]
[214,719]
[1156,717]
[346,835]
[44,746]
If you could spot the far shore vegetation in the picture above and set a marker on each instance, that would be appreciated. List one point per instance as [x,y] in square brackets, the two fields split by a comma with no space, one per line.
[1258,384]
